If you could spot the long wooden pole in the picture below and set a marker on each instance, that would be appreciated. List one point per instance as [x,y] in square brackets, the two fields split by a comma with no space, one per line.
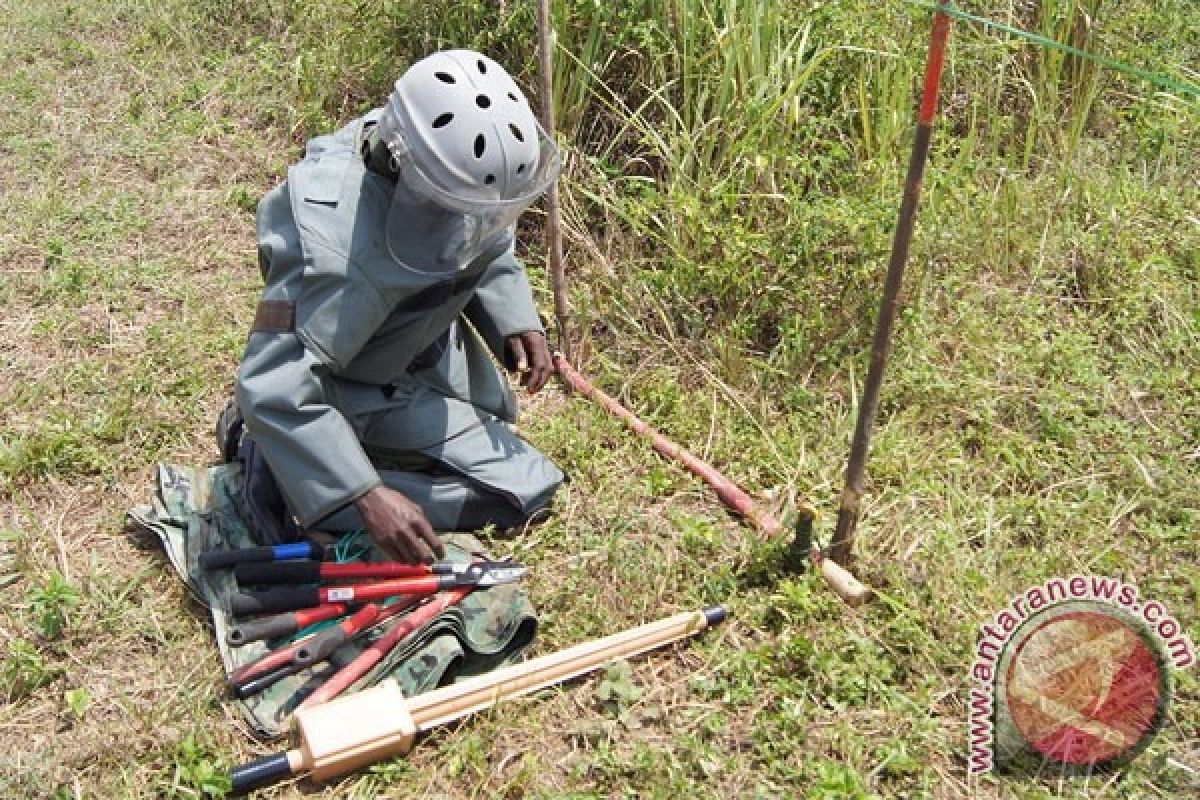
[554,248]
[359,729]
[841,549]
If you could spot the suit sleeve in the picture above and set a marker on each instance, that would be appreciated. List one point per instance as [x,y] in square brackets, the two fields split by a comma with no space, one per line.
[503,304]
[283,393]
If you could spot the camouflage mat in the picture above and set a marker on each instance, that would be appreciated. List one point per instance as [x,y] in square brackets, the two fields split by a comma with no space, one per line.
[196,510]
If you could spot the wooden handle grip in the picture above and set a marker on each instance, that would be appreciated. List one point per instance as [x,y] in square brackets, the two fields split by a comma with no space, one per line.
[458,700]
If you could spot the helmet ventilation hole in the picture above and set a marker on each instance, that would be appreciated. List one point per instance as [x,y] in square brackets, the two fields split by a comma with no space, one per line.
[489,179]
[482,67]
[520,168]
[483,101]
[445,77]
[480,145]
[513,97]
[443,120]
[516,132]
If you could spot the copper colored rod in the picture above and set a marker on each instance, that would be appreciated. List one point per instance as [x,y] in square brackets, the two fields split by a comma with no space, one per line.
[845,585]
[729,493]
[841,549]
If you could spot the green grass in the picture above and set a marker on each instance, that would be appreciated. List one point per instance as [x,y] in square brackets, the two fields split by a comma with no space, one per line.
[734,175]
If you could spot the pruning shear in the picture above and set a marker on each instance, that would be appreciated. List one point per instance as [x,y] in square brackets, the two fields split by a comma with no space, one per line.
[288,572]
[292,658]
[478,574]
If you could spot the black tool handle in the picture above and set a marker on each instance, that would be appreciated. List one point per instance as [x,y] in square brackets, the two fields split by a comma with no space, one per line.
[320,646]
[270,601]
[215,559]
[266,628]
[260,772]
[258,683]
[277,572]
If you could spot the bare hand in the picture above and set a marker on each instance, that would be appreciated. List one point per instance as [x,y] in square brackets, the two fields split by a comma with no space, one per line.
[399,527]
[529,357]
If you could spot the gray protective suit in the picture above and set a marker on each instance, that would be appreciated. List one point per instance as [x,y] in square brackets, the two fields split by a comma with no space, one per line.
[369,372]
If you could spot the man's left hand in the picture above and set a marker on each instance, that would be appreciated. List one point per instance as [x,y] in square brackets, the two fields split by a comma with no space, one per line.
[529,357]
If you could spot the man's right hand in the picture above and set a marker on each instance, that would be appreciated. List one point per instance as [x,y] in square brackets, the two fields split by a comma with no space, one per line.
[399,527]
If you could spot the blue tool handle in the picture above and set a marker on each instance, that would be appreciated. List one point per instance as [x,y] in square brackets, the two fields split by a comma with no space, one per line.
[260,772]
[215,559]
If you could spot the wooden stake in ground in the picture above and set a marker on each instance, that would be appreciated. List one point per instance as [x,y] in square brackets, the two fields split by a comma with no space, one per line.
[554,249]
[842,547]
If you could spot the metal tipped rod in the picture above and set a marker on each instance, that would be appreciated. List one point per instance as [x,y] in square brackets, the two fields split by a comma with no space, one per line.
[360,729]
[843,584]
[841,549]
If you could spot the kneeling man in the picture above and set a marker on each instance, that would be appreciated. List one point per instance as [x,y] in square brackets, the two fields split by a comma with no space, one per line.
[367,388]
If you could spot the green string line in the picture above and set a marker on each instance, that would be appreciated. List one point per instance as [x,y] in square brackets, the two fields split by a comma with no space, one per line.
[351,547]
[1159,79]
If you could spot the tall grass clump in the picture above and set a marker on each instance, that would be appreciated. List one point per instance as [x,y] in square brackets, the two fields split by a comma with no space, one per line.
[736,164]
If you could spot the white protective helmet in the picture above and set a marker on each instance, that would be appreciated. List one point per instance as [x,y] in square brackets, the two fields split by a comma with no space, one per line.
[464,140]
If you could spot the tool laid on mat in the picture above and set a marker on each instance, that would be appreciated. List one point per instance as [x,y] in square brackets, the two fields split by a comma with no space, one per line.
[291,658]
[290,598]
[284,624]
[304,571]
[368,726]
[372,655]
[314,571]
[216,559]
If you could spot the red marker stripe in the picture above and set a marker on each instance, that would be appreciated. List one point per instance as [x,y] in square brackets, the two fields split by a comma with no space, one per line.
[934,67]
[309,616]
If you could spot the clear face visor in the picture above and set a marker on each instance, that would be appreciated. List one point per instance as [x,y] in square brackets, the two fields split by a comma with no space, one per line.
[433,230]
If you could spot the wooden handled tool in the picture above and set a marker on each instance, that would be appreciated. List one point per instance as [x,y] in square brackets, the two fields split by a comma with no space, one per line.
[839,579]
[360,729]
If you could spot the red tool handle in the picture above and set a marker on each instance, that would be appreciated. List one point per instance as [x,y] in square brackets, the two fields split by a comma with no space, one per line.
[282,624]
[382,569]
[290,598]
[361,593]
[277,572]
[360,620]
[418,619]
[268,663]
